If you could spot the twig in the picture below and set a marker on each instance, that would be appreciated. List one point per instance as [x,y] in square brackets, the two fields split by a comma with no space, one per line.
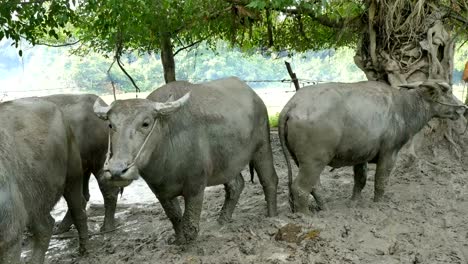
[190,45]
[464,42]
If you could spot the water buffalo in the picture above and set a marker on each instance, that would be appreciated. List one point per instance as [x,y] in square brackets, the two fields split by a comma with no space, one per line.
[204,138]
[91,135]
[351,124]
[39,162]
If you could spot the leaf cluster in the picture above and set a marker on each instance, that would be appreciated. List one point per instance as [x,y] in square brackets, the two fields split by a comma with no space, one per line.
[35,20]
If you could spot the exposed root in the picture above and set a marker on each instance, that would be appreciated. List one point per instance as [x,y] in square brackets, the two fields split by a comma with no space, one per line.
[405,42]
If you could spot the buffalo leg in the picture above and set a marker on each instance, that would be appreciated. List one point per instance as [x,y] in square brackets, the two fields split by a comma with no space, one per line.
[174,213]
[360,178]
[76,201]
[110,194]
[384,168]
[233,191]
[67,220]
[306,182]
[10,249]
[263,164]
[73,194]
[191,217]
[41,229]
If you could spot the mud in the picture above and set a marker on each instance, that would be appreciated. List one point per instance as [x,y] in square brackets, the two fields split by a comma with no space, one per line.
[424,219]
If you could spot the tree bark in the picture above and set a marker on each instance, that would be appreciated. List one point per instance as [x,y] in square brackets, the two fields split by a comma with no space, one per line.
[167,58]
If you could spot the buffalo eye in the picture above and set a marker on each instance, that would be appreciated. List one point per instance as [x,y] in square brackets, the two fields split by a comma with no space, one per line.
[110,126]
[145,124]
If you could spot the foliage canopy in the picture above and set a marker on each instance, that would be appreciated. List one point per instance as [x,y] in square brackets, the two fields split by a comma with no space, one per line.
[113,28]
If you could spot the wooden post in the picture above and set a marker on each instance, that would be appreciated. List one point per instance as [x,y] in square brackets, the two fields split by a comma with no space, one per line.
[293,75]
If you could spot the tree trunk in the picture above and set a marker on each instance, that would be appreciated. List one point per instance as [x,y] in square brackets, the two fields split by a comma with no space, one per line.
[405,54]
[167,58]
[407,42]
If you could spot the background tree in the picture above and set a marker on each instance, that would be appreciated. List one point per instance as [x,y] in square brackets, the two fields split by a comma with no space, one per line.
[162,27]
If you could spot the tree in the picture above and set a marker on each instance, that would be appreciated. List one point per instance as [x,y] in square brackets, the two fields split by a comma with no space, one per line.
[150,27]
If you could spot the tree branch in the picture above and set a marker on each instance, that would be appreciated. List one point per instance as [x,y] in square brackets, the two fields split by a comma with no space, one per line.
[189,46]
[59,45]
[298,10]
[458,18]
[128,75]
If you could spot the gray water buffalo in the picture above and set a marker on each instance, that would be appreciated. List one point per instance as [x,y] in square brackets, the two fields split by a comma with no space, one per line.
[351,124]
[204,138]
[39,162]
[91,135]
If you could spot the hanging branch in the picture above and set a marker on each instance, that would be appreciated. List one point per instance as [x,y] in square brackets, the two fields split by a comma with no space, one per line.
[118,54]
[137,89]
[110,78]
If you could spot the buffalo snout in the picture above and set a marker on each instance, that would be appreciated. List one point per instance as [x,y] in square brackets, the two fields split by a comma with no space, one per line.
[119,173]
[117,170]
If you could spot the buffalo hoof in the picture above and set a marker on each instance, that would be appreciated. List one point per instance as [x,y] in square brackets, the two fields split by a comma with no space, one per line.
[303,211]
[107,227]
[354,202]
[61,228]
[378,198]
[177,240]
[83,251]
[223,220]
[321,207]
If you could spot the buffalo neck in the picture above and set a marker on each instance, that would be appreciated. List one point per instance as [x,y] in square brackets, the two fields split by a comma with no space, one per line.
[170,144]
[413,109]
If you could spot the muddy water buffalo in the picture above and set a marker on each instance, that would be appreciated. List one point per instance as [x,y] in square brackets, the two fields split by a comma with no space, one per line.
[202,139]
[39,162]
[351,124]
[91,135]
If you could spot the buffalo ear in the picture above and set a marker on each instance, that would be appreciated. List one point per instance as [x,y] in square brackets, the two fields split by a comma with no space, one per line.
[445,87]
[101,108]
[169,107]
[436,87]
[412,85]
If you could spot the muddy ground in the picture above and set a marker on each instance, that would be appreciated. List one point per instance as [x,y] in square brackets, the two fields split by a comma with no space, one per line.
[423,220]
